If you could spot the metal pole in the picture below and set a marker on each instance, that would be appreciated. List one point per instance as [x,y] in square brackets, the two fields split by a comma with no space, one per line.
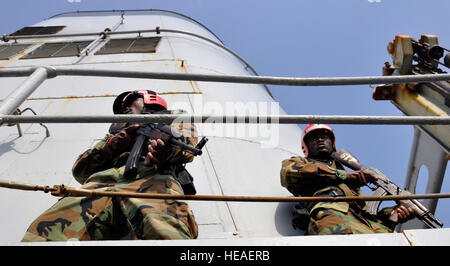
[281,119]
[287,81]
[102,36]
[19,95]
[7,38]
[247,65]
[328,81]
[22,72]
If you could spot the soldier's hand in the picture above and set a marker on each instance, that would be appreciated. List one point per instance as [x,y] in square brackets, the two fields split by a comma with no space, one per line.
[359,178]
[157,151]
[122,140]
[403,213]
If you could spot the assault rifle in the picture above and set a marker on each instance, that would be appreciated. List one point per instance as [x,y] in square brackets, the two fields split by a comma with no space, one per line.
[384,186]
[166,133]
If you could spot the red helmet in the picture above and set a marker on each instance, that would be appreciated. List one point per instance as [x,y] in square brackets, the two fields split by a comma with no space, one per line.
[151,100]
[310,128]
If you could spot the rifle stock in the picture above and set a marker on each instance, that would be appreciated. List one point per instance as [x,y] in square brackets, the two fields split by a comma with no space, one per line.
[348,159]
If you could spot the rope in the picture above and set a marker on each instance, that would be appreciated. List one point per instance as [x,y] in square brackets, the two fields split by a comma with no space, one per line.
[65,191]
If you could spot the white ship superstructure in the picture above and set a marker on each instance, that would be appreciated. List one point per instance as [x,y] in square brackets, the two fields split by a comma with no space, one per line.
[239,159]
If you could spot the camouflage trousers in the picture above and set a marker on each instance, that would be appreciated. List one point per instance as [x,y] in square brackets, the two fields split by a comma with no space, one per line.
[114,218]
[333,222]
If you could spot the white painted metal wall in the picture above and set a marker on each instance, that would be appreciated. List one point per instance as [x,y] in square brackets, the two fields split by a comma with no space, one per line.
[233,163]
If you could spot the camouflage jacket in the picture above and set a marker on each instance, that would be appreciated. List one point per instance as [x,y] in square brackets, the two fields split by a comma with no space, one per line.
[307,177]
[101,164]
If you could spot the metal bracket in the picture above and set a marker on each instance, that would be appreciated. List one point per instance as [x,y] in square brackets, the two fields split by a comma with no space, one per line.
[431,143]
[19,112]
[425,151]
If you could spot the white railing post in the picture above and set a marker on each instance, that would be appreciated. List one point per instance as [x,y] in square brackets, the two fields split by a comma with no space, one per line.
[19,95]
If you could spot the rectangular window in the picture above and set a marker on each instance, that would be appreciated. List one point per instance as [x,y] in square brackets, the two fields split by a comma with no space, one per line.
[38,30]
[9,50]
[134,45]
[59,49]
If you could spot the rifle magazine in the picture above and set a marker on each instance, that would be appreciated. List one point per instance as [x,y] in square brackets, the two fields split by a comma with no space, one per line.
[372,206]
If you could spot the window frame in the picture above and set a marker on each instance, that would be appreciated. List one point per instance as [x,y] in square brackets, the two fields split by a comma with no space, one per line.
[57,52]
[4,48]
[114,49]
[38,30]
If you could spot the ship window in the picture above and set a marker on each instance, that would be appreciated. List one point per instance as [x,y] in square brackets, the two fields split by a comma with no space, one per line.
[9,50]
[38,30]
[59,49]
[134,45]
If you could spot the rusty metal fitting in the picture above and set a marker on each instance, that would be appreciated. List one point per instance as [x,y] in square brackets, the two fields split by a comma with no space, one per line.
[105,32]
[16,112]
[435,52]
[388,69]
[390,48]
[447,60]
[384,92]
[412,87]
[59,191]
[47,189]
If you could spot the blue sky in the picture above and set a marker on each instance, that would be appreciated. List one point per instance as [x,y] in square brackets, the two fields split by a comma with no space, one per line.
[303,39]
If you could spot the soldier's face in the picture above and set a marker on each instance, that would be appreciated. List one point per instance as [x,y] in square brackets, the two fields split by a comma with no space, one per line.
[135,107]
[320,144]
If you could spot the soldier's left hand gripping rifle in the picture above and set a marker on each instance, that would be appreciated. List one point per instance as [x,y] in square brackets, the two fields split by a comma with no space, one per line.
[152,131]
[384,186]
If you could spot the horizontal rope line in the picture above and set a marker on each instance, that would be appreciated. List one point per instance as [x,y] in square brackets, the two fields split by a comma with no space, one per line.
[282,119]
[62,190]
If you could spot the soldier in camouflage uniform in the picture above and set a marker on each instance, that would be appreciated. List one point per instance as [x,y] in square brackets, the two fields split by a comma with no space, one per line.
[318,174]
[102,168]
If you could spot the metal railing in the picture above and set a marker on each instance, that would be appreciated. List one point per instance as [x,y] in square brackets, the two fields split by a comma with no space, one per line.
[286,81]
[235,119]
[157,30]
[38,75]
